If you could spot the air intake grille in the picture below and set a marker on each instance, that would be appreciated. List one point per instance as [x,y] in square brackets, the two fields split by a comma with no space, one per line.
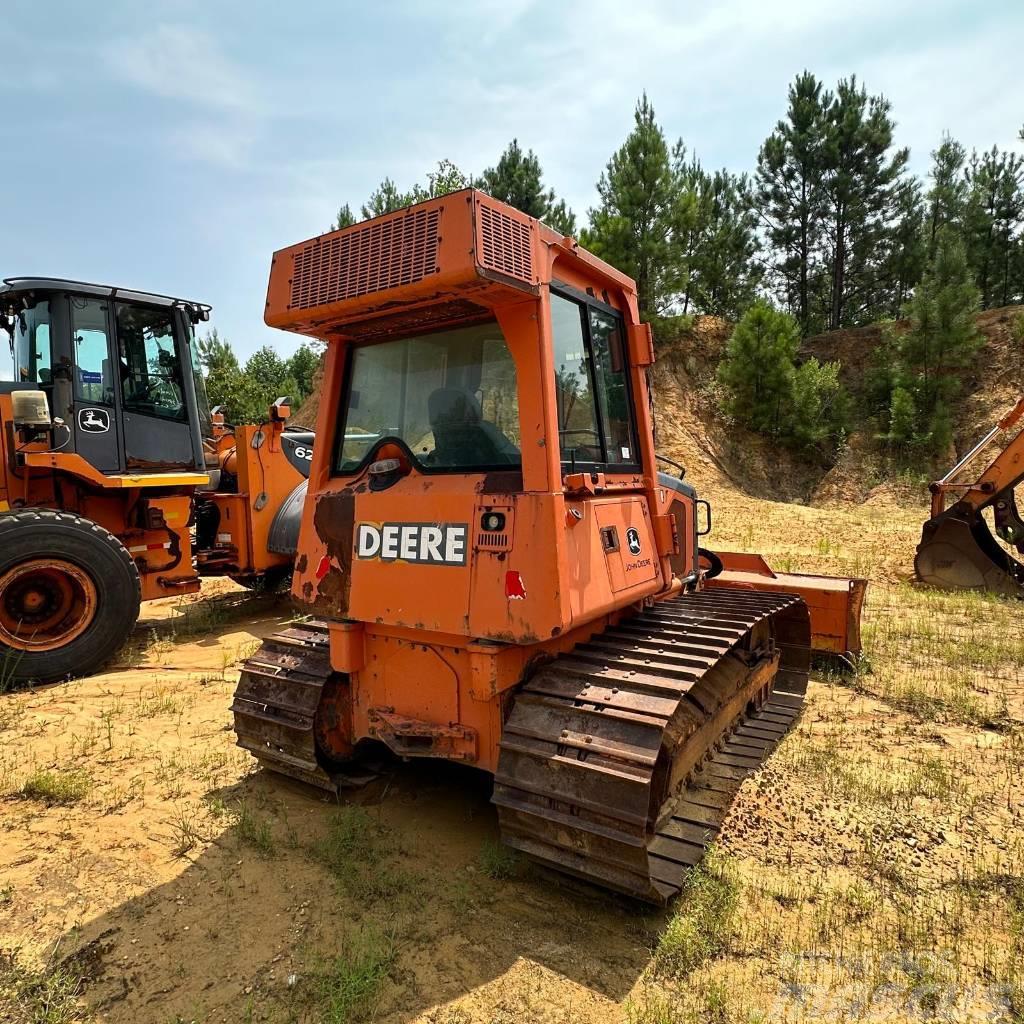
[383,254]
[505,244]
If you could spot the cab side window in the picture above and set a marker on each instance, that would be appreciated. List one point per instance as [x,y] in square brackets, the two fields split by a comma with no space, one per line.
[150,369]
[94,382]
[578,435]
[595,417]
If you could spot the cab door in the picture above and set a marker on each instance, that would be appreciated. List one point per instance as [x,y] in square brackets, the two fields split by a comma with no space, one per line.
[95,425]
[154,403]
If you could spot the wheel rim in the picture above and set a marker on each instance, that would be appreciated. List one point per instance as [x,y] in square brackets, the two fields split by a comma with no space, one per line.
[45,604]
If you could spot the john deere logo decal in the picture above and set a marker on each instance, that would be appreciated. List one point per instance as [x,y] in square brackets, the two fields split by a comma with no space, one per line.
[94,421]
[431,543]
[633,541]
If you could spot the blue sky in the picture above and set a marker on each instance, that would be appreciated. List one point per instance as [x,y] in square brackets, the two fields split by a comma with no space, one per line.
[172,146]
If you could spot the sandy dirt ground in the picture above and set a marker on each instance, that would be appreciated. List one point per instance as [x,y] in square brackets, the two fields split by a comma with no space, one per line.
[871,870]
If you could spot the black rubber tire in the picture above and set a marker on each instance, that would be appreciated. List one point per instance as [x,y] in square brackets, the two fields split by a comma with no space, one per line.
[41,533]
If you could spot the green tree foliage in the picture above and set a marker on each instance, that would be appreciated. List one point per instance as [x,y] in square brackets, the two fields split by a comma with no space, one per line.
[947,197]
[687,237]
[246,393]
[788,184]
[805,406]
[723,272]
[636,226]
[993,218]
[820,416]
[832,194]
[517,179]
[928,361]
[758,368]
[860,188]
[345,219]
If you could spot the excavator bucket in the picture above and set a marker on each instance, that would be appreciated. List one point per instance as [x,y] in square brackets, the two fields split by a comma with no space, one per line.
[957,549]
[958,552]
[834,602]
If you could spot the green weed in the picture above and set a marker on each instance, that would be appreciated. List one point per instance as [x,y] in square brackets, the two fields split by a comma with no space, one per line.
[59,786]
[701,925]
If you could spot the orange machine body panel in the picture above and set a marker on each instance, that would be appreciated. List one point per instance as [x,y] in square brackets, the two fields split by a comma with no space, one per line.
[434,618]
[46,479]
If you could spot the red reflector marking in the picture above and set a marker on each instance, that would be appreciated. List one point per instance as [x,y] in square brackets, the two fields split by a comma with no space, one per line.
[323,568]
[515,588]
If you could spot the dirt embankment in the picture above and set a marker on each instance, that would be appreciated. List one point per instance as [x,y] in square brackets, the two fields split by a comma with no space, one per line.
[693,429]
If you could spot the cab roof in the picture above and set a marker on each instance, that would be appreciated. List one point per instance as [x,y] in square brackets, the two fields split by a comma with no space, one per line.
[14,288]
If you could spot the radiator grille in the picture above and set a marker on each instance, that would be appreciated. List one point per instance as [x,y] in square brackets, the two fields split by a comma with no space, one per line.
[384,254]
[505,244]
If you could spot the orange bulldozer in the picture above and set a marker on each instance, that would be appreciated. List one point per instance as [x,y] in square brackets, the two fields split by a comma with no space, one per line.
[495,570]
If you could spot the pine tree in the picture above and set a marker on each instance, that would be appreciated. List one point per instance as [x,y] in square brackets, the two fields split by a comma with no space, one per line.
[948,195]
[758,367]
[859,187]
[387,197]
[302,367]
[788,185]
[517,179]
[345,218]
[994,214]
[941,343]
[905,252]
[723,273]
[820,414]
[633,228]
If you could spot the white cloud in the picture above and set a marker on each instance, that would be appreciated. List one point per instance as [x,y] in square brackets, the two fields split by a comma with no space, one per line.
[181,63]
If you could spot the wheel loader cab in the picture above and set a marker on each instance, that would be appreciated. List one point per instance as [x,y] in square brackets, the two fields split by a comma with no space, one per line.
[119,368]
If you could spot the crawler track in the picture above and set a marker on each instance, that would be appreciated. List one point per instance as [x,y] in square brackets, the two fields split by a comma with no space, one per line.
[276,700]
[620,759]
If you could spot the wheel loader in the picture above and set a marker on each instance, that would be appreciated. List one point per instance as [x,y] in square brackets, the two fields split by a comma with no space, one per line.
[109,461]
[957,549]
[494,570]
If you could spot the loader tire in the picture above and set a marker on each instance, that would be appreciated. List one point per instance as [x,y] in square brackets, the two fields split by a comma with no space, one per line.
[69,596]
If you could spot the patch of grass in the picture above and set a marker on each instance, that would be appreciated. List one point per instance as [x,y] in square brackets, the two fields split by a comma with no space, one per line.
[497,861]
[352,841]
[701,925]
[57,786]
[346,989]
[48,995]
[254,831]
[185,833]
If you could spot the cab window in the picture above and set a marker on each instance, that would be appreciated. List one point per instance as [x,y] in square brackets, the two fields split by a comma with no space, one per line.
[93,379]
[151,378]
[449,397]
[32,358]
[595,419]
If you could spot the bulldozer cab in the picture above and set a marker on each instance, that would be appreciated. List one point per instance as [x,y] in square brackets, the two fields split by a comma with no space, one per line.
[119,368]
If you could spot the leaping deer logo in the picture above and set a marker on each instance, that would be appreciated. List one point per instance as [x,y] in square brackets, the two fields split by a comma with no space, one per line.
[94,421]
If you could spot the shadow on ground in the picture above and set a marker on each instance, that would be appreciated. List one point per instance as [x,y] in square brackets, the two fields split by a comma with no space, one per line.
[247,929]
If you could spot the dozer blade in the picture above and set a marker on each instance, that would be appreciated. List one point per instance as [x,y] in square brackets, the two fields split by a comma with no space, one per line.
[619,759]
[958,552]
[834,602]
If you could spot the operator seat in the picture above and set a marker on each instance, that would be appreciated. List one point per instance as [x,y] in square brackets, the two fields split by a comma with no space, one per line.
[462,437]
